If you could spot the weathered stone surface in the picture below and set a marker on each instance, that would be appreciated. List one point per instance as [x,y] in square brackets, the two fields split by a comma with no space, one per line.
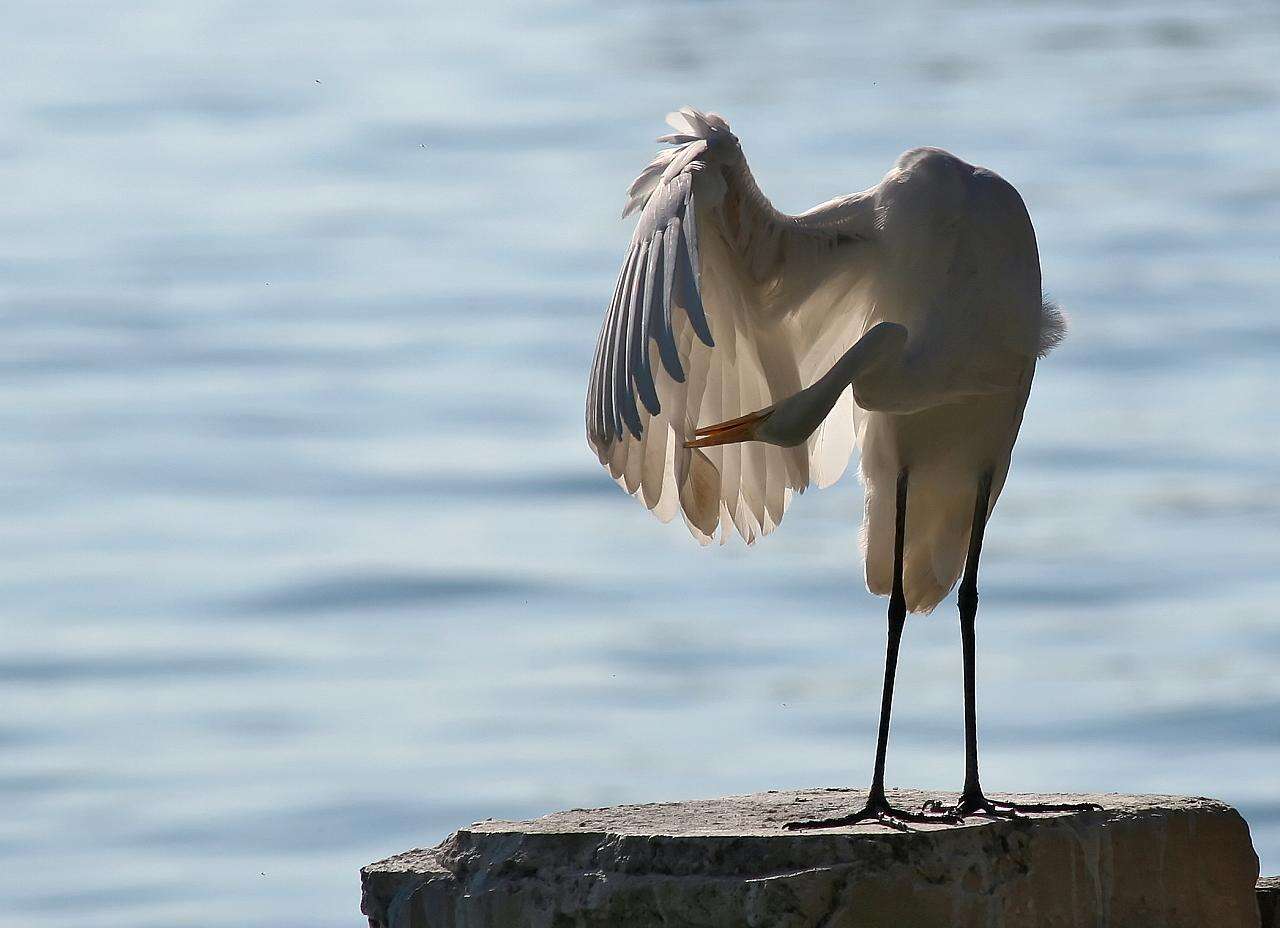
[1143,862]
[1269,901]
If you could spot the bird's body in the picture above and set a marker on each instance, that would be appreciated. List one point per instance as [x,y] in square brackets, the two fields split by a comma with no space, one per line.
[745,351]
[963,277]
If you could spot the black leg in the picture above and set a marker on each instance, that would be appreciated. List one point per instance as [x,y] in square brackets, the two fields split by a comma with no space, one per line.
[897,619]
[967,600]
[972,800]
[877,808]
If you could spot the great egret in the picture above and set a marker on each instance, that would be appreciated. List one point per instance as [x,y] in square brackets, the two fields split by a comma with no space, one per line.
[907,317]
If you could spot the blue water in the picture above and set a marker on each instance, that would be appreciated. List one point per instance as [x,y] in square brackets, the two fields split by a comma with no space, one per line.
[304,560]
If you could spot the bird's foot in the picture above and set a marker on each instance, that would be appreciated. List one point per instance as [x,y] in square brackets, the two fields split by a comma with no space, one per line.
[876,810]
[976,803]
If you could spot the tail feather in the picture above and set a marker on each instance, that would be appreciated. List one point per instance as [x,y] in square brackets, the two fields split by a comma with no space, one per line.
[1053,326]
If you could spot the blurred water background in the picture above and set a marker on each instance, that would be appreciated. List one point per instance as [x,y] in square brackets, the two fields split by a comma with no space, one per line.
[305,561]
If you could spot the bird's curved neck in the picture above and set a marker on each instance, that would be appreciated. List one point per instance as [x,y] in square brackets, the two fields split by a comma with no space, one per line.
[797,417]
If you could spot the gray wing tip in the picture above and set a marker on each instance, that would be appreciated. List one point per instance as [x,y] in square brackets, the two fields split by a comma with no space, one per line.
[627,375]
[706,131]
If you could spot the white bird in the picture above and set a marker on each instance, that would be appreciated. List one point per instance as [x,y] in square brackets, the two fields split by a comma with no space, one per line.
[907,318]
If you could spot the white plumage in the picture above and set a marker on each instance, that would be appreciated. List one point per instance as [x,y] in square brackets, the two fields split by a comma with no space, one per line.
[724,305]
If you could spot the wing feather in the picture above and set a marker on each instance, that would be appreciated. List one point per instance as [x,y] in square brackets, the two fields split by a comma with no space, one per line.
[654,466]
[603,389]
[639,336]
[662,332]
[723,305]
[624,403]
[687,287]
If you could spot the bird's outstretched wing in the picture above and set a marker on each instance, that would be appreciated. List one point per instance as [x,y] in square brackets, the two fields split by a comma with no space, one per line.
[724,305]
